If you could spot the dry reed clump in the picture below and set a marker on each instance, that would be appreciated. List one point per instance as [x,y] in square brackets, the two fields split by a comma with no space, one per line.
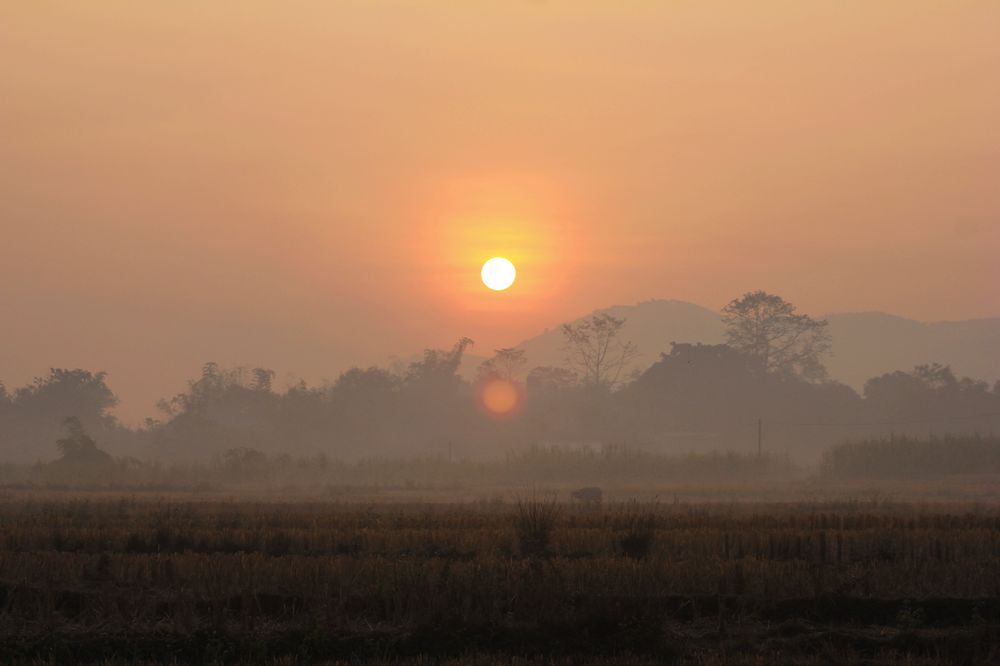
[535,522]
[636,529]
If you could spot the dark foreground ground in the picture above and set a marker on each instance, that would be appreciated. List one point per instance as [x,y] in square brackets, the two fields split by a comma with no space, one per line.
[125,580]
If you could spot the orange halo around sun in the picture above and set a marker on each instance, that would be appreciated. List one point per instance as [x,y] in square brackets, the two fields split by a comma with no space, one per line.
[463,222]
[500,397]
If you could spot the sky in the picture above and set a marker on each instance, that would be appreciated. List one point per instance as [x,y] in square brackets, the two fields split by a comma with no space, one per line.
[312,185]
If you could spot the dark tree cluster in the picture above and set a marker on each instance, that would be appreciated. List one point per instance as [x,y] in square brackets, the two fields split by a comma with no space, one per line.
[33,417]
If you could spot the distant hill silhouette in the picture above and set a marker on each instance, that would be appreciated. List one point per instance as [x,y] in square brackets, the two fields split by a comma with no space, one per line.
[865,344]
[651,325]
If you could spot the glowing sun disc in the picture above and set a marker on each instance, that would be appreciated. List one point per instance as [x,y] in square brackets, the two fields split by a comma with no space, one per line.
[498,273]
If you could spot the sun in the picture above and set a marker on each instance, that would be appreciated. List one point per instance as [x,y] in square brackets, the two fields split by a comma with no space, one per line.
[498,273]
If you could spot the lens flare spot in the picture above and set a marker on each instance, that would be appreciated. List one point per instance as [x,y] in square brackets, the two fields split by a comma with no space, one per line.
[499,396]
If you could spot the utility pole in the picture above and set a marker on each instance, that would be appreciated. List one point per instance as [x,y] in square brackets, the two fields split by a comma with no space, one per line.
[760,437]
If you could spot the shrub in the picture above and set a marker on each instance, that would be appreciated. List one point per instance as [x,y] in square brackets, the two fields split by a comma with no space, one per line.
[637,530]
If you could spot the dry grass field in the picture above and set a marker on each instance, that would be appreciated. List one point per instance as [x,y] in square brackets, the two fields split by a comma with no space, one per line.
[121,579]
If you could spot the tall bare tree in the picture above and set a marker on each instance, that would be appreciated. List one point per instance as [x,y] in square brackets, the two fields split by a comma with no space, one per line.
[594,350]
[767,327]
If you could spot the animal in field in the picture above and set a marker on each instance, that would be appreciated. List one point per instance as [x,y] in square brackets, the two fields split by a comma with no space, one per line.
[588,495]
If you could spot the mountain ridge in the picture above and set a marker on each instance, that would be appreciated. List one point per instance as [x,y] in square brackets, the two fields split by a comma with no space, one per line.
[866,344]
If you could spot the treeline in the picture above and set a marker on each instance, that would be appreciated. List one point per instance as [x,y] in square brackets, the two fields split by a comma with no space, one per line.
[697,398]
[766,387]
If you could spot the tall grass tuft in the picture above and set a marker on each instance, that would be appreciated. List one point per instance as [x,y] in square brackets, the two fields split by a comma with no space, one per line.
[535,521]
[637,530]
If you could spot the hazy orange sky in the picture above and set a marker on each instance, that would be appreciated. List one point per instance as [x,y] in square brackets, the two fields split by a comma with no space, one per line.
[306,185]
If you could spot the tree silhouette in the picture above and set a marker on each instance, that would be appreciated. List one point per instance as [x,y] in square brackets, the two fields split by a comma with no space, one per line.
[262,379]
[549,379]
[506,363]
[79,447]
[593,349]
[929,392]
[767,328]
[437,368]
[70,392]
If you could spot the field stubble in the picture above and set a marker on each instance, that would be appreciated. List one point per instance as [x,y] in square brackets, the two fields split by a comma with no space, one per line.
[252,581]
